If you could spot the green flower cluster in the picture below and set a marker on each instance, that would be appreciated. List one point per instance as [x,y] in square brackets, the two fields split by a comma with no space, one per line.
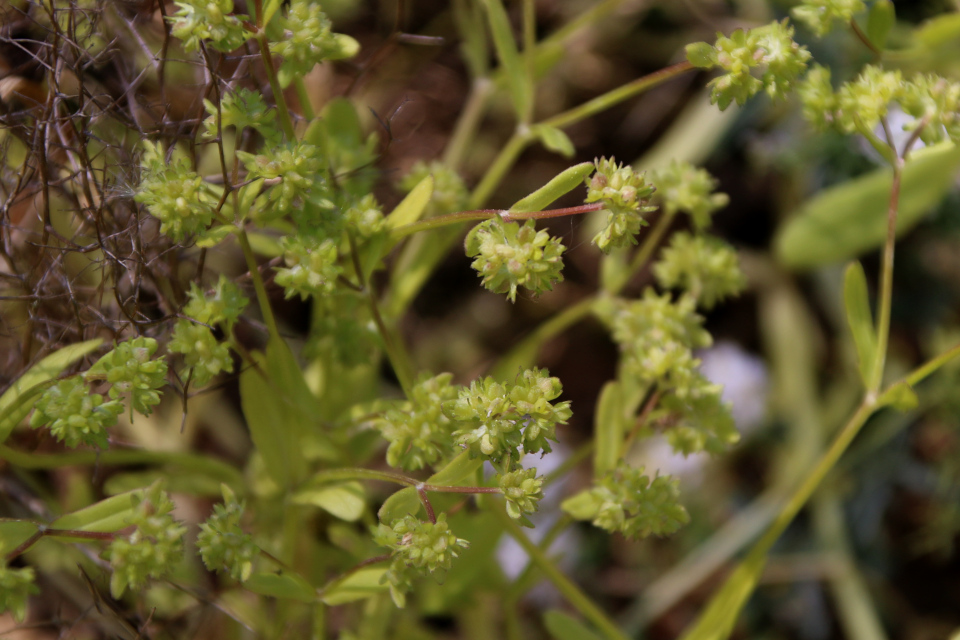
[625,196]
[628,501]
[312,268]
[131,371]
[418,548]
[223,305]
[523,491]
[74,415]
[450,194]
[211,20]
[699,421]
[860,105]
[509,256]
[657,336]
[420,434]
[684,187]
[705,267]
[222,543]
[763,58]
[496,420]
[204,356]
[240,109]
[298,168]
[16,586]
[819,15]
[153,547]
[364,217]
[174,194]
[308,40]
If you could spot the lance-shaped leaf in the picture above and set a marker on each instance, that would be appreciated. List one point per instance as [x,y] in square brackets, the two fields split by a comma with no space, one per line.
[565,182]
[857,303]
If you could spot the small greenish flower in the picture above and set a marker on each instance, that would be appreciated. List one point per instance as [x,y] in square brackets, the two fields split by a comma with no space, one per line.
[629,501]
[307,40]
[130,370]
[523,491]
[818,98]
[497,419]
[312,268]
[418,548]
[684,187]
[625,196]
[174,194]
[861,104]
[657,336]
[203,355]
[16,586]
[153,547]
[222,543]
[765,58]
[509,256]
[935,101]
[820,15]
[225,304]
[697,421]
[74,415]
[419,433]
[450,193]
[298,167]
[365,217]
[705,267]
[211,20]
[239,109]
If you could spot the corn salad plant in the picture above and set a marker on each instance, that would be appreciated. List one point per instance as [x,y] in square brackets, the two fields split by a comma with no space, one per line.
[172,184]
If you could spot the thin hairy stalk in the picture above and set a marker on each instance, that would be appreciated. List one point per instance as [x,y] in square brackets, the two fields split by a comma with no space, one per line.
[862,37]
[43,532]
[577,598]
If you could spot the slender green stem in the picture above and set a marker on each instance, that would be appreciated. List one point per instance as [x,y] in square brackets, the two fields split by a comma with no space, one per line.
[506,215]
[522,583]
[618,95]
[645,252]
[399,359]
[468,122]
[580,601]
[529,52]
[304,99]
[263,300]
[499,168]
[932,365]
[285,122]
[886,280]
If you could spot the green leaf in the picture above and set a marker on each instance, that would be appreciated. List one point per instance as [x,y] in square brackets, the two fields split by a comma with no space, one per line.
[19,398]
[279,409]
[850,219]
[192,483]
[412,207]
[608,429]
[520,90]
[288,586]
[565,627]
[554,139]
[860,320]
[474,46]
[346,501]
[407,502]
[565,182]
[900,396]
[880,22]
[581,506]
[215,236]
[265,245]
[721,614]
[111,514]
[359,585]
[13,533]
